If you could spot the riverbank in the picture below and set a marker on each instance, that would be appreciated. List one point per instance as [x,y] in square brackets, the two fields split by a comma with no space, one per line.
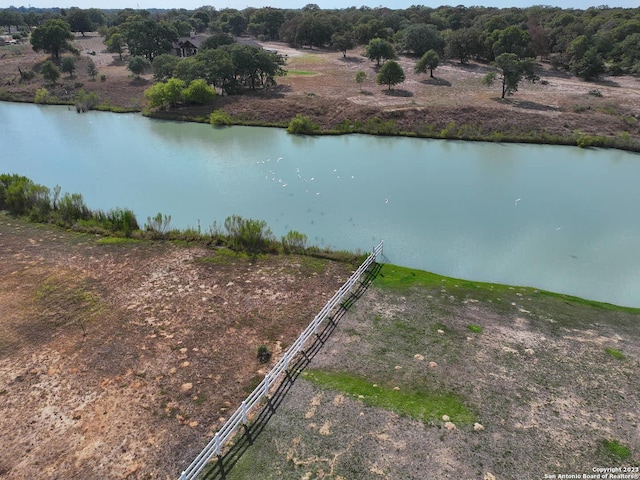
[560,109]
[121,359]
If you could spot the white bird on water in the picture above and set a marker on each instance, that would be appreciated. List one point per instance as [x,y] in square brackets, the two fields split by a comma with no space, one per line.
[517,200]
[386,200]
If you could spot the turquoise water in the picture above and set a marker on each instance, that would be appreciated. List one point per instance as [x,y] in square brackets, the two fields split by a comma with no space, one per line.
[559,218]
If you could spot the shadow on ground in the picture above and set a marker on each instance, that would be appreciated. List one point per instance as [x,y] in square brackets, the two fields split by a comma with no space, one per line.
[398,92]
[224,463]
[438,82]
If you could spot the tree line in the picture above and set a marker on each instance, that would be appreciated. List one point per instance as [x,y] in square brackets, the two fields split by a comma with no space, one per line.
[586,42]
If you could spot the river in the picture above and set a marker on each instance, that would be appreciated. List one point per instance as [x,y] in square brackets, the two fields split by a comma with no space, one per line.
[559,218]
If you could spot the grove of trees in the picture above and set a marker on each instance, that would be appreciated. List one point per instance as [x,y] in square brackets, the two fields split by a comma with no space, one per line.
[587,43]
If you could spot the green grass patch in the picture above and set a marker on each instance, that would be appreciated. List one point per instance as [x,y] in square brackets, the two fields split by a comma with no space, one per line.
[300,72]
[116,240]
[416,403]
[475,328]
[615,449]
[614,352]
[398,278]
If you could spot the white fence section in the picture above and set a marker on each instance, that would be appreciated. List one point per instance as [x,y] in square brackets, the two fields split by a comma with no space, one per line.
[239,417]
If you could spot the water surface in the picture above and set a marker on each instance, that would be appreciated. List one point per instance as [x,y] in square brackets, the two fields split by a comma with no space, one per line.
[559,218]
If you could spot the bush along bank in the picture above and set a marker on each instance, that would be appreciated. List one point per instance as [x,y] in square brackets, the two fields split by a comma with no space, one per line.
[21,197]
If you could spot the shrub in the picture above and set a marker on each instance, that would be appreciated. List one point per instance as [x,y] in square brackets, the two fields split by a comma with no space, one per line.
[138,65]
[219,118]
[158,226]
[252,236]
[19,195]
[68,65]
[71,208]
[303,125]
[86,101]
[50,71]
[92,70]
[199,92]
[121,220]
[264,355]
[42,96]
[294,242]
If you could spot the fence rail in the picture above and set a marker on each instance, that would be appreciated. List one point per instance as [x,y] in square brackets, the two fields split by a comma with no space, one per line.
[239,417]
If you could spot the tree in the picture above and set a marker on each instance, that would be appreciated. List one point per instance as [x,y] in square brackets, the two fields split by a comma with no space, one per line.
[589,66]
[53,37]
[50,72]
[429,61]
[315,29]
[512,70]
[511,40]
[115,43]
[343,42]
[9,18]
[361,76]
[92,71]
[79,20]
[164,67]
[217,40]
[377,49]
[68,65]
[421,37]
[138,65]
[147,37]
[390,74]
[199,92]
[584,59]
[463,44]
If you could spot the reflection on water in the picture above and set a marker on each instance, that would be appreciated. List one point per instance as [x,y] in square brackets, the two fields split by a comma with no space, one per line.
[443,206]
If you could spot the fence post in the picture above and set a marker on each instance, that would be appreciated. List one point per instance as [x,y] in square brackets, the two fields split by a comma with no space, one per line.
[243,406]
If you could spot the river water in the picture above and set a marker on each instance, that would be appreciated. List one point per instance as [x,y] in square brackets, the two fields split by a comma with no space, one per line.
[560,218]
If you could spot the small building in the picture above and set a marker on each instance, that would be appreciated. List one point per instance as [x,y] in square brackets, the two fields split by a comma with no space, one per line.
[188,46]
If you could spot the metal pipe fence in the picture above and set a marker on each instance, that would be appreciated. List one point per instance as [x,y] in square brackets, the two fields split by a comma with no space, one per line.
[240,416]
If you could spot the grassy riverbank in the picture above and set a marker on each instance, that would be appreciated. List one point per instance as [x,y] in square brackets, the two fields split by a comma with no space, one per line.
[531,383]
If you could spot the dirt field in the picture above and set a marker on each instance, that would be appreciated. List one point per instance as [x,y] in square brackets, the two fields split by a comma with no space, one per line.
[325,89]
[120,361]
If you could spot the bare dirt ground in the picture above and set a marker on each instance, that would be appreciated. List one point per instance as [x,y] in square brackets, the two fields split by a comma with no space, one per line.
[120,361]
[329,94]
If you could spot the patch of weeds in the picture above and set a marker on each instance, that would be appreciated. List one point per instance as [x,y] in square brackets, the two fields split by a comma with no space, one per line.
[264,354]
[224,256]
[417,403]
[615,449]
[475,328]
[614,352]
[200,399]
